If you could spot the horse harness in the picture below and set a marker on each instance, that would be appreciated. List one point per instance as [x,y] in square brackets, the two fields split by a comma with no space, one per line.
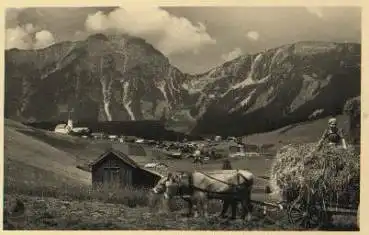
[192,188]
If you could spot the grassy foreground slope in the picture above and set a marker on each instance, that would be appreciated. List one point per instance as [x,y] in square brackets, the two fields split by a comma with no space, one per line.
[32,161]
[82,149]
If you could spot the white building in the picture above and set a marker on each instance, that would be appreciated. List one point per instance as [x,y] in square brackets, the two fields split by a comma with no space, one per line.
[68,128]
[64,128]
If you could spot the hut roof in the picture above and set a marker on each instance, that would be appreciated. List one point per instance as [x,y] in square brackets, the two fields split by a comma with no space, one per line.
[117,153]
[124,157]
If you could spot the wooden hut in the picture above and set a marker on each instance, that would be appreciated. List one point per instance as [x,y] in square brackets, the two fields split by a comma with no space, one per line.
[116,169]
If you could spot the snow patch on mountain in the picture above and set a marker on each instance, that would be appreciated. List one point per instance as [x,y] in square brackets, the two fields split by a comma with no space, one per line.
[244,103]
[127,102]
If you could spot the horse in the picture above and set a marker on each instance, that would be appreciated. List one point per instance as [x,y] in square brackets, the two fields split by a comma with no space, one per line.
[197,188]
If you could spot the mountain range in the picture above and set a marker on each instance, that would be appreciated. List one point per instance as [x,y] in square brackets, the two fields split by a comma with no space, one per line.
[120,77]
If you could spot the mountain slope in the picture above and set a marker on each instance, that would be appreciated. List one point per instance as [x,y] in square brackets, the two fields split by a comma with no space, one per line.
[271,89]
[116,78]
[101,78]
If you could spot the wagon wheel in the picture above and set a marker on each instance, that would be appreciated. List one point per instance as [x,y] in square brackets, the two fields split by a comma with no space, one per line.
[304,216]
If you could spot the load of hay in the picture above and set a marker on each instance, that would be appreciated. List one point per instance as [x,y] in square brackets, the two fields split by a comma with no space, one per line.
[331,175]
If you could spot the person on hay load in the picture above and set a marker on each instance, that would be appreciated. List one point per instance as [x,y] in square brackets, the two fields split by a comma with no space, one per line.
[333,135]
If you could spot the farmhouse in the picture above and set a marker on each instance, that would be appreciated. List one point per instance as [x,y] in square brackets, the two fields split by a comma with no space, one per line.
[116,169]
[230,149]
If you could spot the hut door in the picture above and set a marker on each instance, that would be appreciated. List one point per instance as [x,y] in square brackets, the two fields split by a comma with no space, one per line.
[111,176]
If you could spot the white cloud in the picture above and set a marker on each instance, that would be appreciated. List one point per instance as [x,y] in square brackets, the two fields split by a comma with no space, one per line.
[43,39]
[28,37]
[18,38]
[30,28]
[236,52]
[98,22]
[168,33]
[253,35]
[315,11]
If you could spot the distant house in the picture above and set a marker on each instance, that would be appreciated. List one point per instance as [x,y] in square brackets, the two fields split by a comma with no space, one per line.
[98,135]
[252,148]
[265,148]
[113,137]
[232,138]
[116,169]
[237,150]
[229,149]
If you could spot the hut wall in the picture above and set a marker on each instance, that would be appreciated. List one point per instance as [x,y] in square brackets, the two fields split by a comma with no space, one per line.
[112,171]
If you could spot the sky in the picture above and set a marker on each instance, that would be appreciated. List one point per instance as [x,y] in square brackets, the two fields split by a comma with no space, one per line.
[195,39]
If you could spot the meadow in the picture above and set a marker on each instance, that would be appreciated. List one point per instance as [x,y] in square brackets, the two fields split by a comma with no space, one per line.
[41,173]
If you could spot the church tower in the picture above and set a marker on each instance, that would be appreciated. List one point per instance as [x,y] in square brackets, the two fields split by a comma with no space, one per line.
[70,121]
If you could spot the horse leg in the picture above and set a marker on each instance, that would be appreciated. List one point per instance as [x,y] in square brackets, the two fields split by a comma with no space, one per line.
[196,207]
[190,206]
[205,207]
[202,202]
[225,208]
[234,209]
[247,206]
[166,206]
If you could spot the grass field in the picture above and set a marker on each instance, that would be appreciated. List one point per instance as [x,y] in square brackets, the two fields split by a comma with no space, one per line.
[28,159]
[303,132]
[40,170]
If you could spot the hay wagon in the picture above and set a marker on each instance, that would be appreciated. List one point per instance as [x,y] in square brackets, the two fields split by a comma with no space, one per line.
[304,211]
[317,185]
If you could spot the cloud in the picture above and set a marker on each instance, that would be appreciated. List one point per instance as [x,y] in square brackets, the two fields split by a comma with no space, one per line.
[236,52]
[315,11]
[168,33]
[28,37]
[18,38]
[253,35]
[43,39]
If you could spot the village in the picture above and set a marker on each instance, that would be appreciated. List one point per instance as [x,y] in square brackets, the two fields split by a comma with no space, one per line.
[107,168]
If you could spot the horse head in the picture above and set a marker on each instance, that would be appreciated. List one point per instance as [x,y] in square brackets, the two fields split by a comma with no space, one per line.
[173,184]
[167,185]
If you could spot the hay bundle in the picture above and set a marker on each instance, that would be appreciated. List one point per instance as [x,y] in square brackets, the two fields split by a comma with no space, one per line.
[331,174]
[352,110]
